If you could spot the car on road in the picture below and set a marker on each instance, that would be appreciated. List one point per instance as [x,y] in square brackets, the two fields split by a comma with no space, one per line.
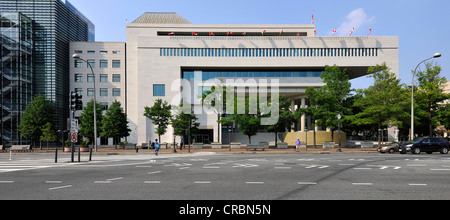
[428,145]
[389,148]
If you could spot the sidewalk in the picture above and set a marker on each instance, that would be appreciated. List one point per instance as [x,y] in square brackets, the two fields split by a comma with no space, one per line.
[110,150]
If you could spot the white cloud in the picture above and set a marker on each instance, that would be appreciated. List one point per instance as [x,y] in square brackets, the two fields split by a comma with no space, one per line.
[355,19]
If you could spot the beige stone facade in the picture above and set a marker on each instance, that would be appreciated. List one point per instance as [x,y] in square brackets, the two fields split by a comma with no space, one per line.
[162,49]
[108,61]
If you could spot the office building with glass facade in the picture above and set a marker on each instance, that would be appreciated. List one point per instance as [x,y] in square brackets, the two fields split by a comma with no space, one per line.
[164,47]
[55,24]
[16,69]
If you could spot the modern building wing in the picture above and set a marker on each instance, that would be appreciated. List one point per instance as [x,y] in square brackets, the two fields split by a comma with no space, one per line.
[55,24]
[16,70]
[163,48]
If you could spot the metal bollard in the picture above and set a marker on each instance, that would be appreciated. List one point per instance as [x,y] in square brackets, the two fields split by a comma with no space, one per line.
[56,155]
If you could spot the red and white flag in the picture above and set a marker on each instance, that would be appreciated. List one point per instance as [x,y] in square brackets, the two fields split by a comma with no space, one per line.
[315,32]
[370,31]
[194,34]
[351,31]
[334,31]
[312,22]
[229,32]
[282,31]
[211,34]
[262,32]
[298,33]
[245,33]
[173,33]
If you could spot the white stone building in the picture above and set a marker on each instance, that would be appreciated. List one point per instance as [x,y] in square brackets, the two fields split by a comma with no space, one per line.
[108,61]
[164,47]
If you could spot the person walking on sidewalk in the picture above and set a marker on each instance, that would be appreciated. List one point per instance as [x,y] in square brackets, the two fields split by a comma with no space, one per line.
[156,147]
[297,145]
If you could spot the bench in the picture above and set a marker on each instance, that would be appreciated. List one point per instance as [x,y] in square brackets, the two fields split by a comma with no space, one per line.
[20,148]
[257,147]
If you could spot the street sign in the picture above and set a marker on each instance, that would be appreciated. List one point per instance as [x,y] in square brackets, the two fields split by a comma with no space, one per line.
[74,137]
[74,126]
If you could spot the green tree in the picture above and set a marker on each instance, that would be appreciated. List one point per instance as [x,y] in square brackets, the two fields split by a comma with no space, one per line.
[383,103]
[286,118]
[48,134]
[115,123]
[38,113]
[250,122]
[429,98]
[160,114]
[181,122]
[327,101]
[87,120]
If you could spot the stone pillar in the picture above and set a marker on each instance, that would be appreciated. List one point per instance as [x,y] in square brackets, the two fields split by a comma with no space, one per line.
[302,120]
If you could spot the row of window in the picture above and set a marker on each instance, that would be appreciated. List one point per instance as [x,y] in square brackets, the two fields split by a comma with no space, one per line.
[102,64]
[103,78]
[103,92]
[212,74]
[249,52]
[103,52]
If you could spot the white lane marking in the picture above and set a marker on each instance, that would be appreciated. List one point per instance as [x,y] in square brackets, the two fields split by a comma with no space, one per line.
[282,168]
[6,181]
[60,187]
[118,178]
[202,182]
[307,183]
[440,169]
[155,172]
[359,168]
[153,182]
[362,184]
[417,184]
[254,182]
[211,167]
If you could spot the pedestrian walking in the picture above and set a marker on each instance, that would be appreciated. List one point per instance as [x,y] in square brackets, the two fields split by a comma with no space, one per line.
[156,147]
[297,145]
[181,144]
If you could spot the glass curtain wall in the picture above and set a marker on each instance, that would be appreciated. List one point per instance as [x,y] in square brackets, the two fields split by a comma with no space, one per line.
[16,68]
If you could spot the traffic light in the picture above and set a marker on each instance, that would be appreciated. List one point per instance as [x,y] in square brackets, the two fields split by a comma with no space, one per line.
[75,101]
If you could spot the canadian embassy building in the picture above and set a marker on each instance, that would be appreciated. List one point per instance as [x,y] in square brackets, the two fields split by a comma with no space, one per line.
[165,47]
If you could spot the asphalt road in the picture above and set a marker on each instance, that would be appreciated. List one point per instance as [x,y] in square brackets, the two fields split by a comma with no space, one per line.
[227,177]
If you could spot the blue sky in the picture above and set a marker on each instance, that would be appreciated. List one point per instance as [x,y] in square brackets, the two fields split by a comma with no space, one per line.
[423,26]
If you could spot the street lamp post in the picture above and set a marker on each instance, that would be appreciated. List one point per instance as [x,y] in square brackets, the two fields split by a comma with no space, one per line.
[436,55]
[77,57]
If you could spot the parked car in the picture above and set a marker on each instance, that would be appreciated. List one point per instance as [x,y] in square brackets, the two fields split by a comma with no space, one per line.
[428,145]
[390,148]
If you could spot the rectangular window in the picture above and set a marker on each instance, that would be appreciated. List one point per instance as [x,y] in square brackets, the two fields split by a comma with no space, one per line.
[116,78]
[116,92]
[103,63]
[103,92]
[92,63]
[159,90]
[103,78]
[78,77]
[78,64]
[116,52]
[103,52]
[116,64]
[90,78]
[91,52]
[90,92]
